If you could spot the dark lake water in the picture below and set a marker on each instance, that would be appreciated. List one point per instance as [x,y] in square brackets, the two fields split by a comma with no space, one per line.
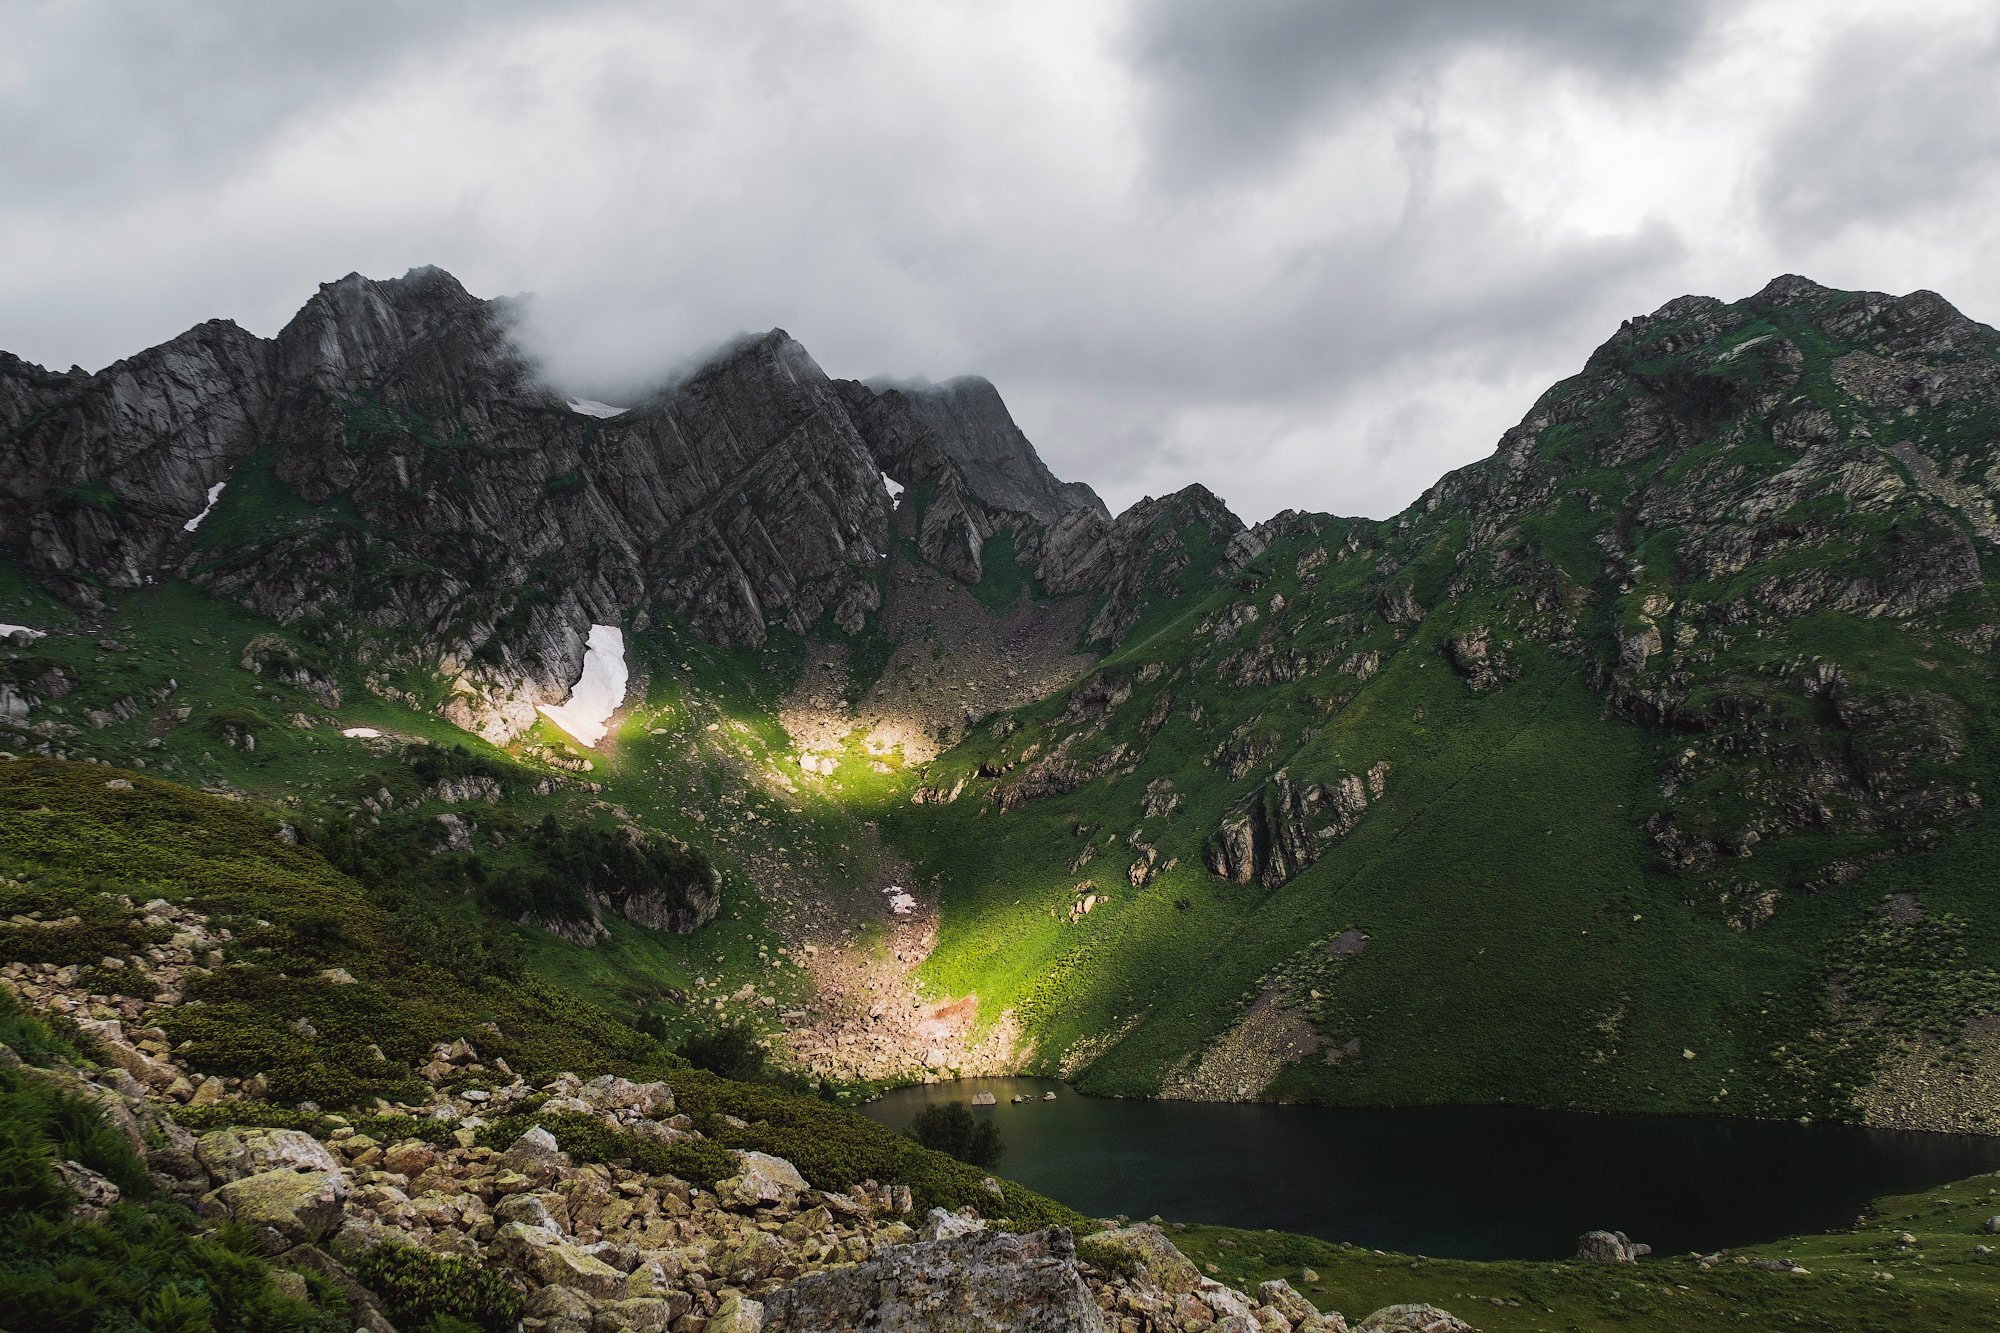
[1467,1182]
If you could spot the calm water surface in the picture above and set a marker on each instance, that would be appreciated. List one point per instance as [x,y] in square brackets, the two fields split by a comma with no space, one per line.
[1468,1182]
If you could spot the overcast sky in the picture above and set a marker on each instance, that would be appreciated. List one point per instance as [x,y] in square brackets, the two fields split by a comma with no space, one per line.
[1310,252]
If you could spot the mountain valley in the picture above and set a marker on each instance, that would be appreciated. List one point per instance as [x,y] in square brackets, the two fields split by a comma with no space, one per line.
[1640,766]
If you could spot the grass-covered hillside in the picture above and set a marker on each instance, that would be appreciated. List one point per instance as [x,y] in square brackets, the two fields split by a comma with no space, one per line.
[1639,766]
[330,992]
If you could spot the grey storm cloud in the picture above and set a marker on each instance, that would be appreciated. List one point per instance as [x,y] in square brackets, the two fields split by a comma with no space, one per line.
[108,99]
[1311,254]
[1897,121]
[1236,87]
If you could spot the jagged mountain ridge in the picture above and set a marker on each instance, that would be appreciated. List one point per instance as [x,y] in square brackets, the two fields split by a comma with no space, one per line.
[1662,730]
[463,521]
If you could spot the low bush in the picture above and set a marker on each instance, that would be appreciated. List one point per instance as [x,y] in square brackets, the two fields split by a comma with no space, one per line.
[438,1291]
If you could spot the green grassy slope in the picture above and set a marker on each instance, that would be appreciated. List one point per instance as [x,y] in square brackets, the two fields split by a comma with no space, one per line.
[1597,877]
[1864,1280]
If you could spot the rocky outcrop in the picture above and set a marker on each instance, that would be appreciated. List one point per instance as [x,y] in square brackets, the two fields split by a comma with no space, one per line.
[1147,555]
[1610,1247]
[985,1280]
[106,471]
[974,430]
[1279,829]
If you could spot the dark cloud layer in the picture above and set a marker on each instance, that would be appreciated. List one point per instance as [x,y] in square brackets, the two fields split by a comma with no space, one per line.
[1897,121]
[1310,254]
[1236,87]
[113,99]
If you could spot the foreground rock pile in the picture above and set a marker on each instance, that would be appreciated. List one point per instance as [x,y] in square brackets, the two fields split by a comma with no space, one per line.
[597,1247]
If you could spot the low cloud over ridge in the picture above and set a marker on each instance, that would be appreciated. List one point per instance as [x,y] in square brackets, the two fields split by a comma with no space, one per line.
[1312,255]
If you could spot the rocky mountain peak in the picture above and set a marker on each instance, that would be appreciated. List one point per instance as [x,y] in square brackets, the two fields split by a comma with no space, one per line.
[973,428]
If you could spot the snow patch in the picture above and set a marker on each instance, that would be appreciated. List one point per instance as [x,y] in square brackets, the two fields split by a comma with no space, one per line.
[598,691]
[9,631]
[895,487]
[362,733]
[900,901]
[214,494]
[590,407]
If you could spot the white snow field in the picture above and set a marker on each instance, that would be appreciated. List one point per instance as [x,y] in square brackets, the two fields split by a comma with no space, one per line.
[590,407]
[598,692]
[214,494]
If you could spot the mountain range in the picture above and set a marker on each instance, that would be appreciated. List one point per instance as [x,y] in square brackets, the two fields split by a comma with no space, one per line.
[1640,765]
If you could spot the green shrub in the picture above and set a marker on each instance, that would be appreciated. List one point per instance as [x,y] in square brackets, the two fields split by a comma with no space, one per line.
[700,1162]
[39,1039]
[142,1266]
[439,1291]
[951,1128]
[731,1050]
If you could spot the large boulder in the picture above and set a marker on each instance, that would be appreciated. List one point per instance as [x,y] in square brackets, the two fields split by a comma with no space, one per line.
[94,1193]
[608,1092]
[736,1314]
[282,1208]
[973,1283]
[1610,1247]
[231,1154]
[546,1259]
[1413,1319]
[1143,1254]
[1281,1296]
[537,1156]
[762,1179]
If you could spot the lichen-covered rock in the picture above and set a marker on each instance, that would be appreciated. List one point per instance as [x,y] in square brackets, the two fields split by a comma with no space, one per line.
[1142,1253]
[608,1092]
[281,1208]
[761,1179]
[985,1281]
[1281,1296]
[1413,1319]
[737,1313]
[537,1156]
[94,1193]
[546,1258]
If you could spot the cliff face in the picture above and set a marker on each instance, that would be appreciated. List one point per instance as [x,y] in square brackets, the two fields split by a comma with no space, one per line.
[104,471]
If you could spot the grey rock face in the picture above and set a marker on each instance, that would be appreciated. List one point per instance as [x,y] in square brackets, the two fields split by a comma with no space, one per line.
[1279,829]
[1001,469]
[1139,557]
[1610,1247]
[983,1280]
[105,471]
[409,495]
[444,507]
